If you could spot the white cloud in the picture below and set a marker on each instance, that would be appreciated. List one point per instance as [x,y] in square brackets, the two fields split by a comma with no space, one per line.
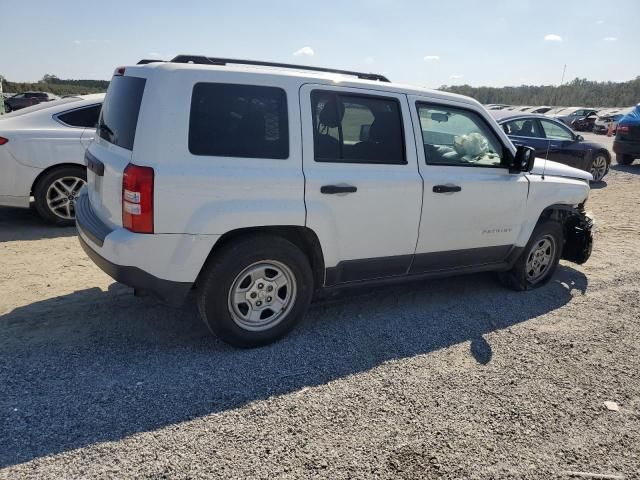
[609,39]
[552,37]
[456,77]
[429,58]
[599,22]
[304,51]
[368,60]
[77,42]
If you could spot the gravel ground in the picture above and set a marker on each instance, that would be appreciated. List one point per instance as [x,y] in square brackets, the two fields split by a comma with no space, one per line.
[455,378]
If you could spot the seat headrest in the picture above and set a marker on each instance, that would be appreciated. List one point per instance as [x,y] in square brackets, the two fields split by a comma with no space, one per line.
[331,114]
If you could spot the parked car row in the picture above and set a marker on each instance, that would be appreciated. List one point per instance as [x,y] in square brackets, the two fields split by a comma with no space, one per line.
[581,119]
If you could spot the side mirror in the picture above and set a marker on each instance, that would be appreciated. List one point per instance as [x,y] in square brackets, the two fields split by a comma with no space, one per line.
[523,161]
[579,138]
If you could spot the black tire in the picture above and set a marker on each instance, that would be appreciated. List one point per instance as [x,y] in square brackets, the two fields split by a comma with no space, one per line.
[221,274]
[518,278]
[41,188]
[607,160]
[624,159]
[7,108]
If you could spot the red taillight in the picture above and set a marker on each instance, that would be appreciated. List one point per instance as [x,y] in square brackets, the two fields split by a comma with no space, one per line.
[137,199]
[623,129]
[118,72]
[3,140]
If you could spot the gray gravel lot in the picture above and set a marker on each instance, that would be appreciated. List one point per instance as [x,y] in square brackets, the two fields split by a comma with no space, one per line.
[455,378]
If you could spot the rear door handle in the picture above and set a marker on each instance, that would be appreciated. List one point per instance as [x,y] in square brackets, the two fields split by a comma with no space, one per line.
[446,188]
[333,189]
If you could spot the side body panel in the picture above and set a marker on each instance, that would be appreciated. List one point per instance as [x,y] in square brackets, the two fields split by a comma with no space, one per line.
[378,221]
[198,194]
[478,224]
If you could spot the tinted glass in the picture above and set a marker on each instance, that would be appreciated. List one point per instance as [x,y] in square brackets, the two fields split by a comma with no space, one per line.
[528,127]
[119,116]
[357,129]
[453,136]
[82,117]
[238,121]
[555,131]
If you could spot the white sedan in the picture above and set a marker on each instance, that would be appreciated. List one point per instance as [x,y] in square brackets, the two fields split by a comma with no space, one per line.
[42,155]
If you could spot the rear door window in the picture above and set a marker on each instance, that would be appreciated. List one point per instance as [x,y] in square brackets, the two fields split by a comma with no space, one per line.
[554,131]
[528,127]
[230,120]
[357,129]
[81,117]
[119,116]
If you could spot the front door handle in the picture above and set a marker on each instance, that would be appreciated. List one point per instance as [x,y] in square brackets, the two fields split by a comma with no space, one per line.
[446,188]
[333,189]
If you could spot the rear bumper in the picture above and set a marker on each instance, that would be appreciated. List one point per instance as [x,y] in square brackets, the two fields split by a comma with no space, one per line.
[162,265]
[173,293]
[623,147]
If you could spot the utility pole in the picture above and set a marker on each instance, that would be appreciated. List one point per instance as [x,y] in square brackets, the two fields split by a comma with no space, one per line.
[563,72]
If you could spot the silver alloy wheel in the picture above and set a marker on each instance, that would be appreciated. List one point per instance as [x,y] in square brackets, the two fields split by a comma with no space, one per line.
[61,196]
[540,258]
[262,295]
[599,167]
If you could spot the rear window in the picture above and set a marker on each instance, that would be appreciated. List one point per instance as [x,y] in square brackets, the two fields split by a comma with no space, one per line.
[229,120]
[120,110]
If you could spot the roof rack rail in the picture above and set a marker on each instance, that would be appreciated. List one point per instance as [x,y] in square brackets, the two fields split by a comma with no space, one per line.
[202,60]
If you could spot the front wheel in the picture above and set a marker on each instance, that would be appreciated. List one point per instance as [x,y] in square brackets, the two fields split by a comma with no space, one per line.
[539,259]
[599,167]
[255,290]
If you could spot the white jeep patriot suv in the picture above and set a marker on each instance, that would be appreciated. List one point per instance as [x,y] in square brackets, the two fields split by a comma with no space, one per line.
[257,185]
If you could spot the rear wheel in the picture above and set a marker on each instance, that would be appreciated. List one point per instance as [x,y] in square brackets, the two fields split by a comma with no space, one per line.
[599,167]
[7,108]
[624,159]
[56,193]
[539,260]
[255,290]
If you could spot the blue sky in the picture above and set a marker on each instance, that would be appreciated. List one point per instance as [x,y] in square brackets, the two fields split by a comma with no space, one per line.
[427,43]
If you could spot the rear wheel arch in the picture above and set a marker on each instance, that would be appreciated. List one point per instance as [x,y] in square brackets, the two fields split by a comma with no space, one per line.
[48,170]
[302,237]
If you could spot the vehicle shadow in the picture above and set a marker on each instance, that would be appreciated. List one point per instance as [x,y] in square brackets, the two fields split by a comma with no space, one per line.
[96,366]
[25,224]
[598,185]
[633,168]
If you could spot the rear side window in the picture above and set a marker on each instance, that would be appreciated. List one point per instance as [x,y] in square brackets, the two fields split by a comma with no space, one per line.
[357,129]
[120,110]
[229,120]
[81,117]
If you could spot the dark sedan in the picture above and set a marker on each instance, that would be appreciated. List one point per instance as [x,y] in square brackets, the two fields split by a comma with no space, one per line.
[553,140]
[26,99]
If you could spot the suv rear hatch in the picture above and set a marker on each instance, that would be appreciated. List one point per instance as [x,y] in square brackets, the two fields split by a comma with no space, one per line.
[111,152]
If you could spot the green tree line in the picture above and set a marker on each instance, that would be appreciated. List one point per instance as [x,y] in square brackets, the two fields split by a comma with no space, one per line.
[578,92]
[52,84]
